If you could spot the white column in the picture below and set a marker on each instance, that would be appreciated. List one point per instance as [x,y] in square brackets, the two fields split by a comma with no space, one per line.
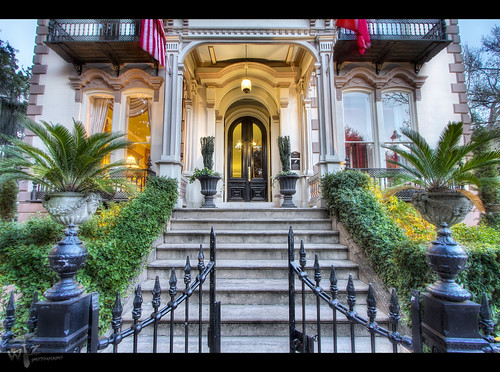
[329,160]
[169,164]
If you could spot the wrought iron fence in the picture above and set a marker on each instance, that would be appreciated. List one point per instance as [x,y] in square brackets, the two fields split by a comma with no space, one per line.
[79,316]
[158,313]
[300,341]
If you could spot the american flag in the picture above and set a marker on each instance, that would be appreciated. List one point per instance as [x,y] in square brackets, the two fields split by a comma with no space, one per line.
[361,28]
[152,39]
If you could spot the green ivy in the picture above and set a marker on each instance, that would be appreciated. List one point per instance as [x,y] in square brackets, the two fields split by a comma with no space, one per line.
[400,262]
[117,245]
[116,258]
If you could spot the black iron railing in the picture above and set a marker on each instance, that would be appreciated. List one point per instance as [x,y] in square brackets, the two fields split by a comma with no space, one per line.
[400,29]
[75,320]
[300,341]
[64,30]
[138,177]
[158,313]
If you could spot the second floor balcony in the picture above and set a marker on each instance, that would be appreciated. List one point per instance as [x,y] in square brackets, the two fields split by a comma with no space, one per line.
[83,41]
[394,40]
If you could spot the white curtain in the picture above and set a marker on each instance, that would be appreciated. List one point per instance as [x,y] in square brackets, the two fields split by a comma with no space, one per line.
[98,112]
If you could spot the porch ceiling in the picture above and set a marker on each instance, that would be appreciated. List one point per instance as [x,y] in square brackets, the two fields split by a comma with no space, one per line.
[211,54]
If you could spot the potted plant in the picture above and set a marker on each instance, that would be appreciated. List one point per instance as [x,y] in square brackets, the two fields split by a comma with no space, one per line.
[207,176]
[287,179]
[70,165]
[441,172]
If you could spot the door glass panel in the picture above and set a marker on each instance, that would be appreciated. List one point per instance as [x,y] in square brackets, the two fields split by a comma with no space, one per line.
[237,144]
[257,155]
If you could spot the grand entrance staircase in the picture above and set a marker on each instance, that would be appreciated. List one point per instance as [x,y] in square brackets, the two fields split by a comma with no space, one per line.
[252,279]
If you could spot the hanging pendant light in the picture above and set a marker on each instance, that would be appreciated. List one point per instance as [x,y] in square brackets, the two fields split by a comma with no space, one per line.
[246,84]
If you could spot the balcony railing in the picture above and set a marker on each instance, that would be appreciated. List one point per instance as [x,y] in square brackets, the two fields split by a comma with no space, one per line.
[64,30]
[82,41]
[394,40]
[138,177]
[400,29]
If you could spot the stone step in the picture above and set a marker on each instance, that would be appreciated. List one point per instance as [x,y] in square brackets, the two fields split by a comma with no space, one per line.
[253,291]
[252,277]
[248,236]
[251,344]
[253,269]
[254,224]
[245,251]
[249,213]
[256,320]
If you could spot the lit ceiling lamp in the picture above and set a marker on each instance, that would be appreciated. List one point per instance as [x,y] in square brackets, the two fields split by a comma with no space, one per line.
[246,84]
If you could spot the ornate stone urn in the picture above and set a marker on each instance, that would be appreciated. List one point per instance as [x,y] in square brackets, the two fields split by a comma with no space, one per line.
[438,207]
[287,189]
[208,189]
[71,207]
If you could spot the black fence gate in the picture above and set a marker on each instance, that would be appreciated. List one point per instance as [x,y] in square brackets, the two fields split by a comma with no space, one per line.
[69,324]
[446,326]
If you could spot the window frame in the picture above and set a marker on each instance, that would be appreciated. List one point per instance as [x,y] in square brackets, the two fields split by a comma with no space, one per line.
[378,122]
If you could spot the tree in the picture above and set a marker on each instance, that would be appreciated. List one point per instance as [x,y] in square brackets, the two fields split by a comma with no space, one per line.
[14,90]
[482,72]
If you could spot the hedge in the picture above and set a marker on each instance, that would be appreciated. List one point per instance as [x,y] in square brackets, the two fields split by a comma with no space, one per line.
[118,238]
[395,239]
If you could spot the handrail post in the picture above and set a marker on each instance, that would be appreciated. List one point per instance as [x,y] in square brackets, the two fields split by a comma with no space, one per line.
[291,289]
[214,335]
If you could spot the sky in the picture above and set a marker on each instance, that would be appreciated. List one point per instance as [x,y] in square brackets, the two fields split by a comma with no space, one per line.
[20,33]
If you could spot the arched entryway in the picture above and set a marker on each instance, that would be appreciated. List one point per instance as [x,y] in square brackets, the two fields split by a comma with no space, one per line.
[247,165]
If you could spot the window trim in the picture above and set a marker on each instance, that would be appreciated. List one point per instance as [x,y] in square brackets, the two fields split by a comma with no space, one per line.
[377,120]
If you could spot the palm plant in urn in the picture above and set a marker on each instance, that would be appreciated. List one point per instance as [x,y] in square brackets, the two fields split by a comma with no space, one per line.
[287,179]
[207,176]
[440,174]
[70,165]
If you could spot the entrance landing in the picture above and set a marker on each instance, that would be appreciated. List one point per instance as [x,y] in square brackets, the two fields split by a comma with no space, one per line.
[247,205]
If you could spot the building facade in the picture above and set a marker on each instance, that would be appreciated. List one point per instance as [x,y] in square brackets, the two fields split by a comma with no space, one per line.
[308,81]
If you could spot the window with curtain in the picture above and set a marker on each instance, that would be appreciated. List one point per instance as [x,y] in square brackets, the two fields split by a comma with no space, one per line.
[100,114]
[100,118]
[364,135]
[358,127]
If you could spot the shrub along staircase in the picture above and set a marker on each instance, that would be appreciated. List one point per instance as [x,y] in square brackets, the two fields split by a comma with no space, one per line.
[252,276]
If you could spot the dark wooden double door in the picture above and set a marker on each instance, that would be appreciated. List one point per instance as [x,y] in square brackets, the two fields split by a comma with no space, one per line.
[247,161]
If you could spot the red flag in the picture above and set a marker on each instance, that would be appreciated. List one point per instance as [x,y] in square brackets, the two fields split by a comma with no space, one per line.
[361,28]
[152,39]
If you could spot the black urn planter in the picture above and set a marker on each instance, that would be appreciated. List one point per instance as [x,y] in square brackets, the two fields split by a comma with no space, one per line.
[287,189]
[447,259]
[208,189]
[66,258]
